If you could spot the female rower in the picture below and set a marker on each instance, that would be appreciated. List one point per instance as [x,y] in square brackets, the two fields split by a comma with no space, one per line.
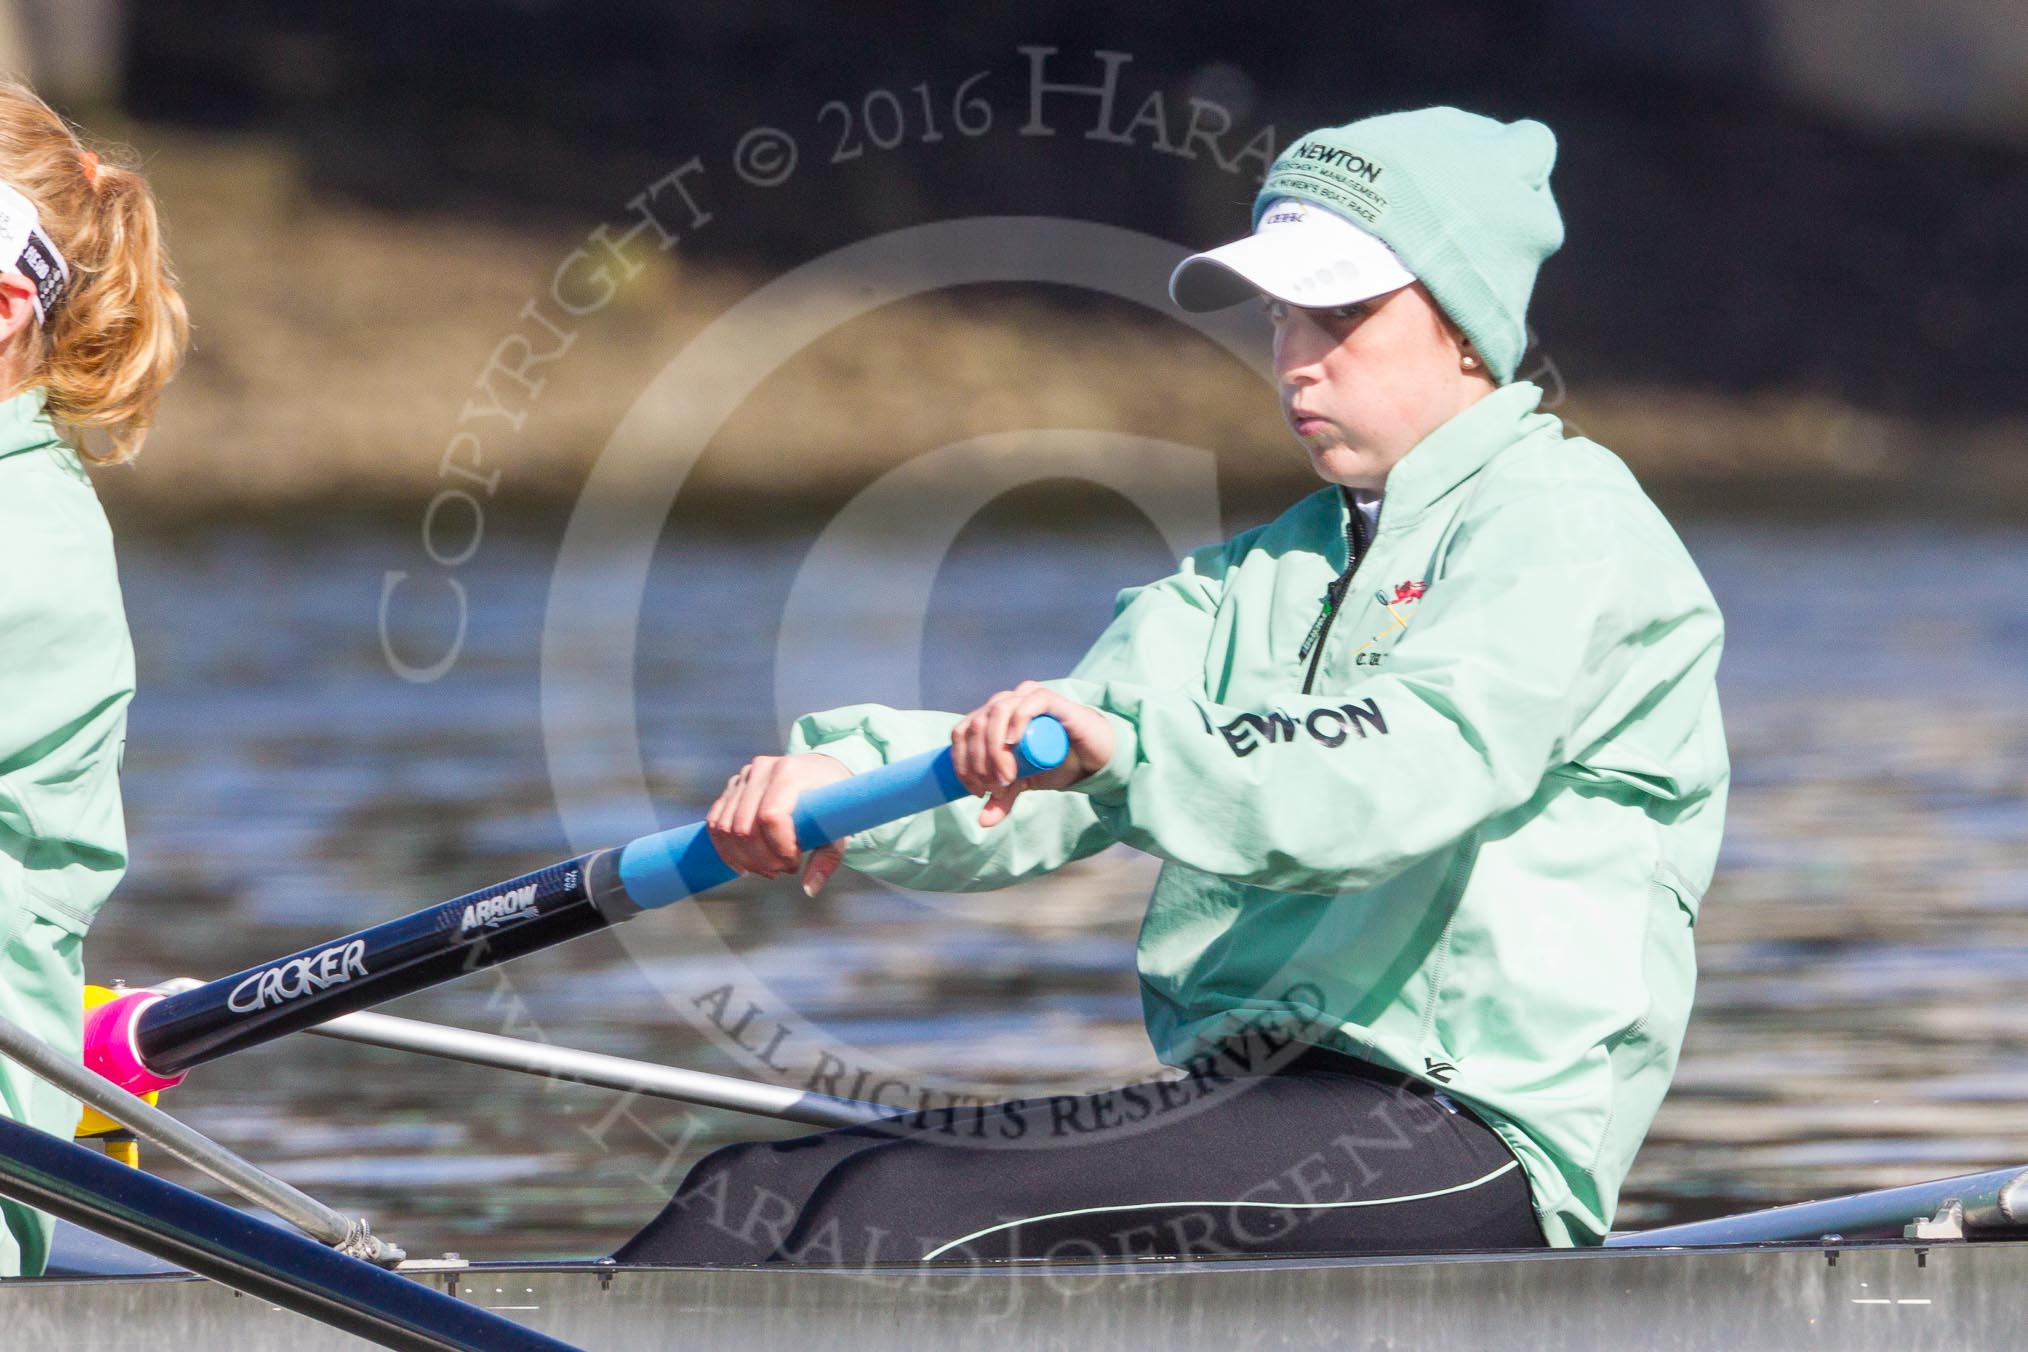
[1434,762]
[91,329]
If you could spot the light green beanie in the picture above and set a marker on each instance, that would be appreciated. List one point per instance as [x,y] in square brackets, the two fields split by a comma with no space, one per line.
[1463,201]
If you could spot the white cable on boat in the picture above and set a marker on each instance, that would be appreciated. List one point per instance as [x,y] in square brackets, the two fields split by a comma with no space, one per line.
[349,1235]
[598,1068]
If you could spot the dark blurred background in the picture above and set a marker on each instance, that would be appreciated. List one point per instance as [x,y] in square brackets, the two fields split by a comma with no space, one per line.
[1760,193]
[1794,247]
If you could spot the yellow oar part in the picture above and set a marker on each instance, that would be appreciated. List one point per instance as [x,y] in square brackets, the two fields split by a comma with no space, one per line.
[123,1150]
[92,1124]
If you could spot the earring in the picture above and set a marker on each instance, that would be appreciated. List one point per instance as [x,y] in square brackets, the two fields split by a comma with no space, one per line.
[1470,361]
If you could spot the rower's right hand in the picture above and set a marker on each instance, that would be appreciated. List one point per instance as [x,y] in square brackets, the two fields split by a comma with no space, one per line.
[753,825]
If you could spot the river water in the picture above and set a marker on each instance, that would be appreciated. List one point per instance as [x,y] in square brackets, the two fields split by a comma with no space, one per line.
[1863,952]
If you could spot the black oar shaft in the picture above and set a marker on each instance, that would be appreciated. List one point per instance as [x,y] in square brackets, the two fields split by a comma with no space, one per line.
[536,910]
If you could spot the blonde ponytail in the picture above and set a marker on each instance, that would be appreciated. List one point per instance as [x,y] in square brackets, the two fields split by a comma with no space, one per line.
[117,336]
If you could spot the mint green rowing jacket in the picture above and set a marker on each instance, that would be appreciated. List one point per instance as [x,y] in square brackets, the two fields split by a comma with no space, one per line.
[66,674]
[1464,836]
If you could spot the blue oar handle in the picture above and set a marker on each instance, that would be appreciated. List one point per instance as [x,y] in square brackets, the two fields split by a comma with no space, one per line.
[671,865]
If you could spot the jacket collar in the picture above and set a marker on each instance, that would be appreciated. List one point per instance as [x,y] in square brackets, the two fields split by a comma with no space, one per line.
[1460,448]
[24,425]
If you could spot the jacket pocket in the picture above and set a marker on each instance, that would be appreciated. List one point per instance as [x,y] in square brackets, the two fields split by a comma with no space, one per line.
[65,831]
[1688,897]
[1643,1054]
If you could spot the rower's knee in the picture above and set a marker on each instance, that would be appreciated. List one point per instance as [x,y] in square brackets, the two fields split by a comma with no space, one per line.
[729,1208]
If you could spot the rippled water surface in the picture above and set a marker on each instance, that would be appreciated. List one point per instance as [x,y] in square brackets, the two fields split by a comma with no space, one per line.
[1859,1019]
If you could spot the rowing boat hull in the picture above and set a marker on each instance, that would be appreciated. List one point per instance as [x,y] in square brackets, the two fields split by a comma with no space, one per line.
[1898,1296]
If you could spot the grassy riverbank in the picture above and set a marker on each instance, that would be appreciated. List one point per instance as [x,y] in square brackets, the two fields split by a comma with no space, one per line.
[337,348]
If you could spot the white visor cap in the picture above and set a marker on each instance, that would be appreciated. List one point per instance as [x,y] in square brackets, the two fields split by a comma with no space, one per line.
[1301,254]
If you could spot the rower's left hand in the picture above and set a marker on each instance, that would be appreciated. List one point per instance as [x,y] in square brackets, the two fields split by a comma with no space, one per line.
[982,746]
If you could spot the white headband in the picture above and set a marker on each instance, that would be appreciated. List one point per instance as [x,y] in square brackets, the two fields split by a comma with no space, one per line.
[25,249]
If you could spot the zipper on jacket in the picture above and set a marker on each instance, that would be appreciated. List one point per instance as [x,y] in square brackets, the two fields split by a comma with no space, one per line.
[1334,595]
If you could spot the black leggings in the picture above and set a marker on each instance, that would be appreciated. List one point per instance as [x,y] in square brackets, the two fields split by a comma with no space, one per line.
[1299,1150]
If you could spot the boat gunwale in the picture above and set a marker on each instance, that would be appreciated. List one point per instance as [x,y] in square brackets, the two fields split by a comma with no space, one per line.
[1153,1266]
